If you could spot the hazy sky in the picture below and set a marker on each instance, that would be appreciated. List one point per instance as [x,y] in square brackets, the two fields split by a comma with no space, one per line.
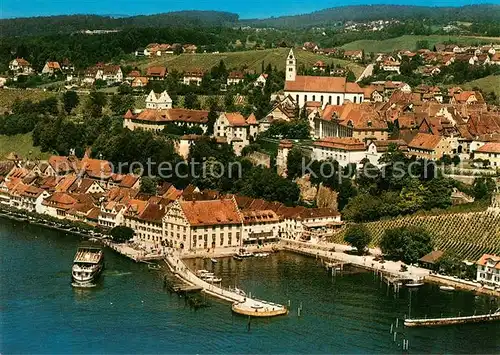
[246,9]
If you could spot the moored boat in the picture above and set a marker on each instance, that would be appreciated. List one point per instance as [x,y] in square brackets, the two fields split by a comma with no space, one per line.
[236,257]
[87,266]
[447,288]
[152,266]
[213,260]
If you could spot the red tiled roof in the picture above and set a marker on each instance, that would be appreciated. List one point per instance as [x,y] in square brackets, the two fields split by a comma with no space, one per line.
[316,84]
[236,119]
[157,71]
[344,143]
[424,141]
[173,115]
[252,119]
[211,212]
[489,148]
[494,259]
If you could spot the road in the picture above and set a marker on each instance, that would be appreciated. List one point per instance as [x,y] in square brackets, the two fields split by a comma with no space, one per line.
[367,72]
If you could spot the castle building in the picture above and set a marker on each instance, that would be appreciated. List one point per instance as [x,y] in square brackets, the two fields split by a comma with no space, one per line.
[324,89]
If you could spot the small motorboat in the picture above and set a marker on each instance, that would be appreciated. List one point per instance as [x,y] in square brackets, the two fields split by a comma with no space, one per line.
[414,284]
[447,288]
[202,272]
[213,279]
[154,267]
[236,257]
[213,260]
[238,291]
[261,255]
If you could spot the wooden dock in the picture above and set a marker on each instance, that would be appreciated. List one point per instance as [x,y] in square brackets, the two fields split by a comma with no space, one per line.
[432,322]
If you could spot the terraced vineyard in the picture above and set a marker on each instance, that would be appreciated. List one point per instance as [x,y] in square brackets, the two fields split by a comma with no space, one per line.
[469,235]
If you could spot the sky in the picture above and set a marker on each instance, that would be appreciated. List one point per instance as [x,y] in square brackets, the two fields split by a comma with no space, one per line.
[246,9]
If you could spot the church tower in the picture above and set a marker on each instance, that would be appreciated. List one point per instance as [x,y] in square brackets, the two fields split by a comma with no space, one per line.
[291,67]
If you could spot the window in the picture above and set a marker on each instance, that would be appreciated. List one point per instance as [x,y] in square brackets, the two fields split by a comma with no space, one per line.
[314,97]
[355,99]
[338,100]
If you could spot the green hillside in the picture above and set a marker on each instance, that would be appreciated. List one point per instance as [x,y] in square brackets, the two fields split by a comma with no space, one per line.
[410,42]
[250,59]
[21,144]
[487,84]
[469,235]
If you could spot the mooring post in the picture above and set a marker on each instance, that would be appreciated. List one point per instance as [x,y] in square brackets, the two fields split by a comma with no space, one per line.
[248,326]
[391,327]
[397,322]
[395,333]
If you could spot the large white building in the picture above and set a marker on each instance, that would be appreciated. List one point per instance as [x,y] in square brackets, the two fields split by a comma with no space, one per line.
[324,89]
[345,150]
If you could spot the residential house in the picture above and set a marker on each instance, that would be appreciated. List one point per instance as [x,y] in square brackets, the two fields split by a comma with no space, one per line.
[20,66]
[391,66]
[189,48]
[353,54]
[310,47]
[139,82]
[488,270]
[429,146]
[490,152]
[319,66]
[51,68]
[376,149]
[235,77]
[193,77]
[235,128]
[260,227]
[156,73]
[262,79]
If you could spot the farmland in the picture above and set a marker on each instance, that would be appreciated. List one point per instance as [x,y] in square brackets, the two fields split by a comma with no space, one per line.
[468,235]
[250,59]
[410,42]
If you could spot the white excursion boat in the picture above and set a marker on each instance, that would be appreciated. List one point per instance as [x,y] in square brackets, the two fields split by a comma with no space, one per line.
[261,255]
[447,288]
[202,272]
[87,266]
[415,283]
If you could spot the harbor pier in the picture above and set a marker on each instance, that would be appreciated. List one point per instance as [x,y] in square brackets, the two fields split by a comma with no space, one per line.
[240,304]
[432,322]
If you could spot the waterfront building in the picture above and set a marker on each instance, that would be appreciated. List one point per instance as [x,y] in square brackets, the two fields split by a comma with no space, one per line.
[199,225]
[260,227]
[488,270]
[146,219]
[327,90]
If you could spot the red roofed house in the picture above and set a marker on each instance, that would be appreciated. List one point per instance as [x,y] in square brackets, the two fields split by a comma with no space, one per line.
[466,97]
[20,66]
[488,269]
[51,68]
[327,90]
[234,127]
[345,150]
[319,65]
[235,77]
[139,82]
[200,225]
[491,152]
[429,146]
[156,73]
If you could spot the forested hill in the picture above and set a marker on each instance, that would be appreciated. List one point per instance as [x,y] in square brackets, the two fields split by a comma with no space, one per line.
[68,24]
[196,19]
[472,13]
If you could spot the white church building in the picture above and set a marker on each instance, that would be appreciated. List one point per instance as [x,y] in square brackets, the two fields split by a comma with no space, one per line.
[325,89]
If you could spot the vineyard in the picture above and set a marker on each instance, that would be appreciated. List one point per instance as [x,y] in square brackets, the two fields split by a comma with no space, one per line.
[468,235]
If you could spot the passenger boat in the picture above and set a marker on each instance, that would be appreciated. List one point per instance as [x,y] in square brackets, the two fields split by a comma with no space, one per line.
[213,260]
[447,288]
[87,266]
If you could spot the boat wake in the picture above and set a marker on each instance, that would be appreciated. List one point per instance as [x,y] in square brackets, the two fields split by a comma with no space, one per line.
[86,285]
[116,273]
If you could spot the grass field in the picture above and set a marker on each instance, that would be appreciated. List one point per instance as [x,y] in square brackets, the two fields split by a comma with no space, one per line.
[410,42]
[487,84]
[251,59]
[21,144]
[8,96]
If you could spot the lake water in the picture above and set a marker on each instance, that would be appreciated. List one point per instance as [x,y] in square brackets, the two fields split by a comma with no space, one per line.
[131,311]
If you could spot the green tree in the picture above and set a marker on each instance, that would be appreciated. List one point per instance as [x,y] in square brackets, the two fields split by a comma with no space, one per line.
[120,104]
[191,101]
[148,185]
[351,77]
[294,163]
[96,102]
[407,244]
[358,236]
[483,188]
[121,234]
[70,101]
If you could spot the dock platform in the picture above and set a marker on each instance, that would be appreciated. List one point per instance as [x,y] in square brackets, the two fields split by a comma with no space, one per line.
[432,322]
